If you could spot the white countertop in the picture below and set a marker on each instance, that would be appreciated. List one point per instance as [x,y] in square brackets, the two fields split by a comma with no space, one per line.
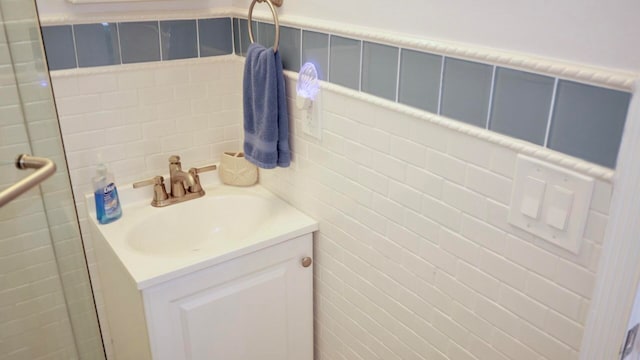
[148,268]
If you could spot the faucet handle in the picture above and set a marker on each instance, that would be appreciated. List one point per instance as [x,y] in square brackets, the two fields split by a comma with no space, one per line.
[195,171]
[159,192]
[174,159]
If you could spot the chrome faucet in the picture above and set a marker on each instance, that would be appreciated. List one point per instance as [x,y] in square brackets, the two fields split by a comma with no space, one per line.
[183,185]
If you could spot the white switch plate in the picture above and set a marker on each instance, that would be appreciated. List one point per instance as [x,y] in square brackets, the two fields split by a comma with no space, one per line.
[312,118]
[546,224]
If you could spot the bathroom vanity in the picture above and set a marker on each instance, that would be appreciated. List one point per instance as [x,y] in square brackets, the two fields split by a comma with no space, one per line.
[227,276]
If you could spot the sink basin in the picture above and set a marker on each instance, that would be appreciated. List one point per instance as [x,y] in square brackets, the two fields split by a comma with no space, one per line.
[200,224]
[158,244]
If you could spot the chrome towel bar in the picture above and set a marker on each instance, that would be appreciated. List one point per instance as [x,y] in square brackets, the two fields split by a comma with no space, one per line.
[44,168]
[272,4]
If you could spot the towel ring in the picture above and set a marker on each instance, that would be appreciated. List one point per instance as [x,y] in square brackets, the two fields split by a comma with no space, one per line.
[271,4]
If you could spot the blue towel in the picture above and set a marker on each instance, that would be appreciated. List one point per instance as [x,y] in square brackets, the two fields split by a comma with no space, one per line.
[266,120]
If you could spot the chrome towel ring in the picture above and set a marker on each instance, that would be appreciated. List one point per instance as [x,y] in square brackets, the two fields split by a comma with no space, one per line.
[272,4]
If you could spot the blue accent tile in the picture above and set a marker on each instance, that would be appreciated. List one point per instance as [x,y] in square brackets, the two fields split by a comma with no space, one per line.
[97,44]
[139,41]
[244,35]
[380,70]
[588,122]
[315,49]
[344,61]
[58,44]
[215,37]
[521,104]
[420,80]
[265,34]
[289,48]
[236,36]
[179,39]
[466,88]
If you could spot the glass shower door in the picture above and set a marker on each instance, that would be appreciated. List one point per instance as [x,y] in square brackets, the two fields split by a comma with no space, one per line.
[46,303]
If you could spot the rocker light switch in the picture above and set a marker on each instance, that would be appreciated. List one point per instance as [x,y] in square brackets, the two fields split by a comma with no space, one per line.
[532,197]
[550,202]
[560,202]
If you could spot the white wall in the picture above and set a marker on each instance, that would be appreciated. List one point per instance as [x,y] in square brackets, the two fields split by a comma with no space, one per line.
[600,33]
[54,8]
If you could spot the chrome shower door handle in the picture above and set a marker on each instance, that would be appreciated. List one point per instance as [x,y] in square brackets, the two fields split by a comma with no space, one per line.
[44,168]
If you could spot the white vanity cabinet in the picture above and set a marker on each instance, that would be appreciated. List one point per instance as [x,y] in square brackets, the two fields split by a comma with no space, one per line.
[255,307]
[258,306]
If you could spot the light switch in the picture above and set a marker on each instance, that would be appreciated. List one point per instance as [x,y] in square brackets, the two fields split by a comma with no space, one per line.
[532,198]
[550,202]
[560,202]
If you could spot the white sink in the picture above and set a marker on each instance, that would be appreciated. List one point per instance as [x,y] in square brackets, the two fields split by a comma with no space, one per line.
[158,244]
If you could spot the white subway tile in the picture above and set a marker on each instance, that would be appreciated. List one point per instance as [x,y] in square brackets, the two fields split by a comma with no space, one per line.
[482,350]
[489,184]
[553,296]
[464,200]
[405,195]
[477,280]
[456,290]
[408,151]
[531,257]
[155,95]
[78,105]
[446,166]
[543,343]
[389,166]
[374,138]
[469,320]
[96,84]
[424,181]
[564,329]
[511,347]
[503,161]
[403,237]
[373,180]
[460,247]
[575,278]
[172,76]
[422,226]
[430,135]
[453,330]
[522,305]
[441,213]
[118,100]
[596,227]
[389,209]
[503,269]
[470,149]
[137,79]
[601,197]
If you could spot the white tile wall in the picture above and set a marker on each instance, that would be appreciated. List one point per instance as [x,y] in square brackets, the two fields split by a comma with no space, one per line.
[135,117]
[415,258]
[34,319]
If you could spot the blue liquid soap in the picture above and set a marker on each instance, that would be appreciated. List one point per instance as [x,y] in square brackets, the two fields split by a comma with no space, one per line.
[108,207]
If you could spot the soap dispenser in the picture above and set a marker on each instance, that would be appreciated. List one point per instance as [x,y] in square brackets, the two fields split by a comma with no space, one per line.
[106,195]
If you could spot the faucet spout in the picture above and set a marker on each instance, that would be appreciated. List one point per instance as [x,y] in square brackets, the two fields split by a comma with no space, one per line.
[185,177]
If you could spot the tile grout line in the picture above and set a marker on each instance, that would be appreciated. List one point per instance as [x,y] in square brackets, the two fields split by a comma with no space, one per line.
[75,47]
[360,66]
[492,89]
[119,42]
[198,37]
[329,36]
[233,37]
[398,75]
[550,117]
[441,85]
[160,39]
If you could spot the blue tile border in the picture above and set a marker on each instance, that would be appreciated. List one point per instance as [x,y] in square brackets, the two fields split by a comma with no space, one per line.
[67,48]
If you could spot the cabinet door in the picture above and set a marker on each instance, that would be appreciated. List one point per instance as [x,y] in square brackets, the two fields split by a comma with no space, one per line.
[257,307]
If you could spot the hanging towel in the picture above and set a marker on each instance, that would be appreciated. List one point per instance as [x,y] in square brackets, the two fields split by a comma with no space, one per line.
[266,121]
